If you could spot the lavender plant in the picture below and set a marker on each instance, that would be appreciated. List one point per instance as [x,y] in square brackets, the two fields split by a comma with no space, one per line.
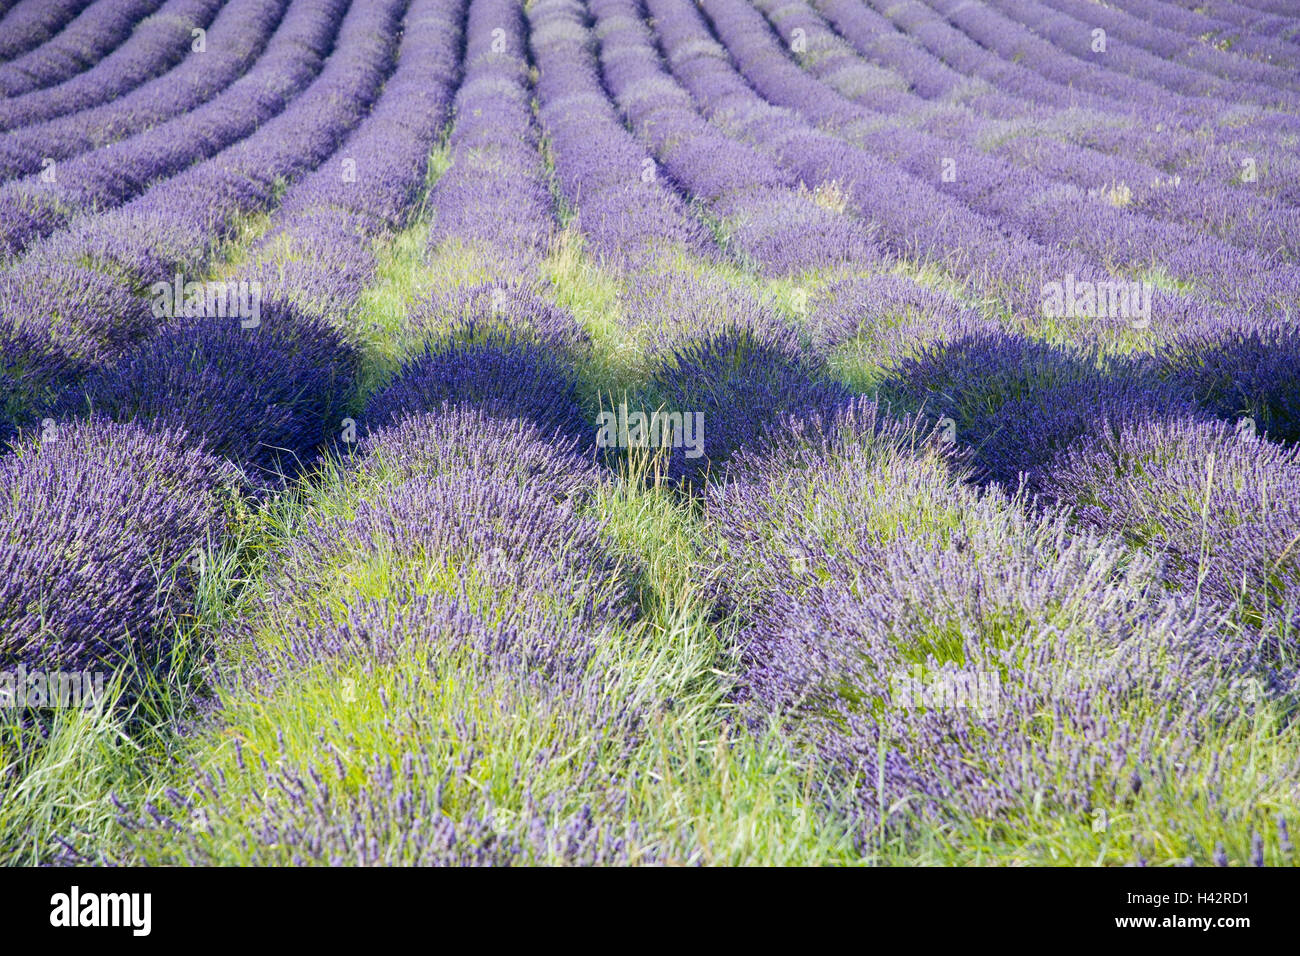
[104,526]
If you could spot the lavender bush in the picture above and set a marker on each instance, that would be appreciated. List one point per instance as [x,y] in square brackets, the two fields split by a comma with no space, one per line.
[104,526]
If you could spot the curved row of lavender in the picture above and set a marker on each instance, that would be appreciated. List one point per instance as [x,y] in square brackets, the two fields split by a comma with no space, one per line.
[1219,19]
[99,29]
[829,229]
[768,219]
[242,32]
[30,23]
[225,398]
[107,177]
[494,343]
[268,395]
[1019,131]
[81,298]
[155,45]
[626,214]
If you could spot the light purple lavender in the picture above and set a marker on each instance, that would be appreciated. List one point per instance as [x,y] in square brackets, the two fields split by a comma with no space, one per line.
[155,45]
[104,525]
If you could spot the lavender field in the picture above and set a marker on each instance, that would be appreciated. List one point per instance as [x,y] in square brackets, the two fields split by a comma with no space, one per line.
[725,432]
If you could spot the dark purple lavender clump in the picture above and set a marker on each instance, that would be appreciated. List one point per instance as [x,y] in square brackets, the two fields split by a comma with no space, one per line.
[80,312]
[1236,370]
[490,371]
[30,379]
[266,397]
[103,524]
[1016,401]
[743,386]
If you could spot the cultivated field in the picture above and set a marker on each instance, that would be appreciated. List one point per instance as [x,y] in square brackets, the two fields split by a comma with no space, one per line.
[649,431]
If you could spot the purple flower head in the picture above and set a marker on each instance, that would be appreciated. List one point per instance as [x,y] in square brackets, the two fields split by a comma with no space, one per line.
[457,438]
[892,313]
[1016,401]
[742,386]
[1222,502]
[1237,369]
[505,311]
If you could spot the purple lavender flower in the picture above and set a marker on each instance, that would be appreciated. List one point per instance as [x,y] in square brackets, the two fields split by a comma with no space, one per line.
[491,371]
[103,526]
[1237,369]
[741,386]
[505,311]
[1222,502]
[1016,401]
[455,438]
[266,398]
[899,624]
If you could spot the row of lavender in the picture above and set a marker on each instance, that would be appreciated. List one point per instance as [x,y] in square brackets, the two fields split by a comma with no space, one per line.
[104,178]
[1019,132]
[890,616]
[99,29]
[493,343]
[31,22]
[469,492]
[949,654]
[82,298]
[155,46]
[1175,308]
[212,403]
[1057,215]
